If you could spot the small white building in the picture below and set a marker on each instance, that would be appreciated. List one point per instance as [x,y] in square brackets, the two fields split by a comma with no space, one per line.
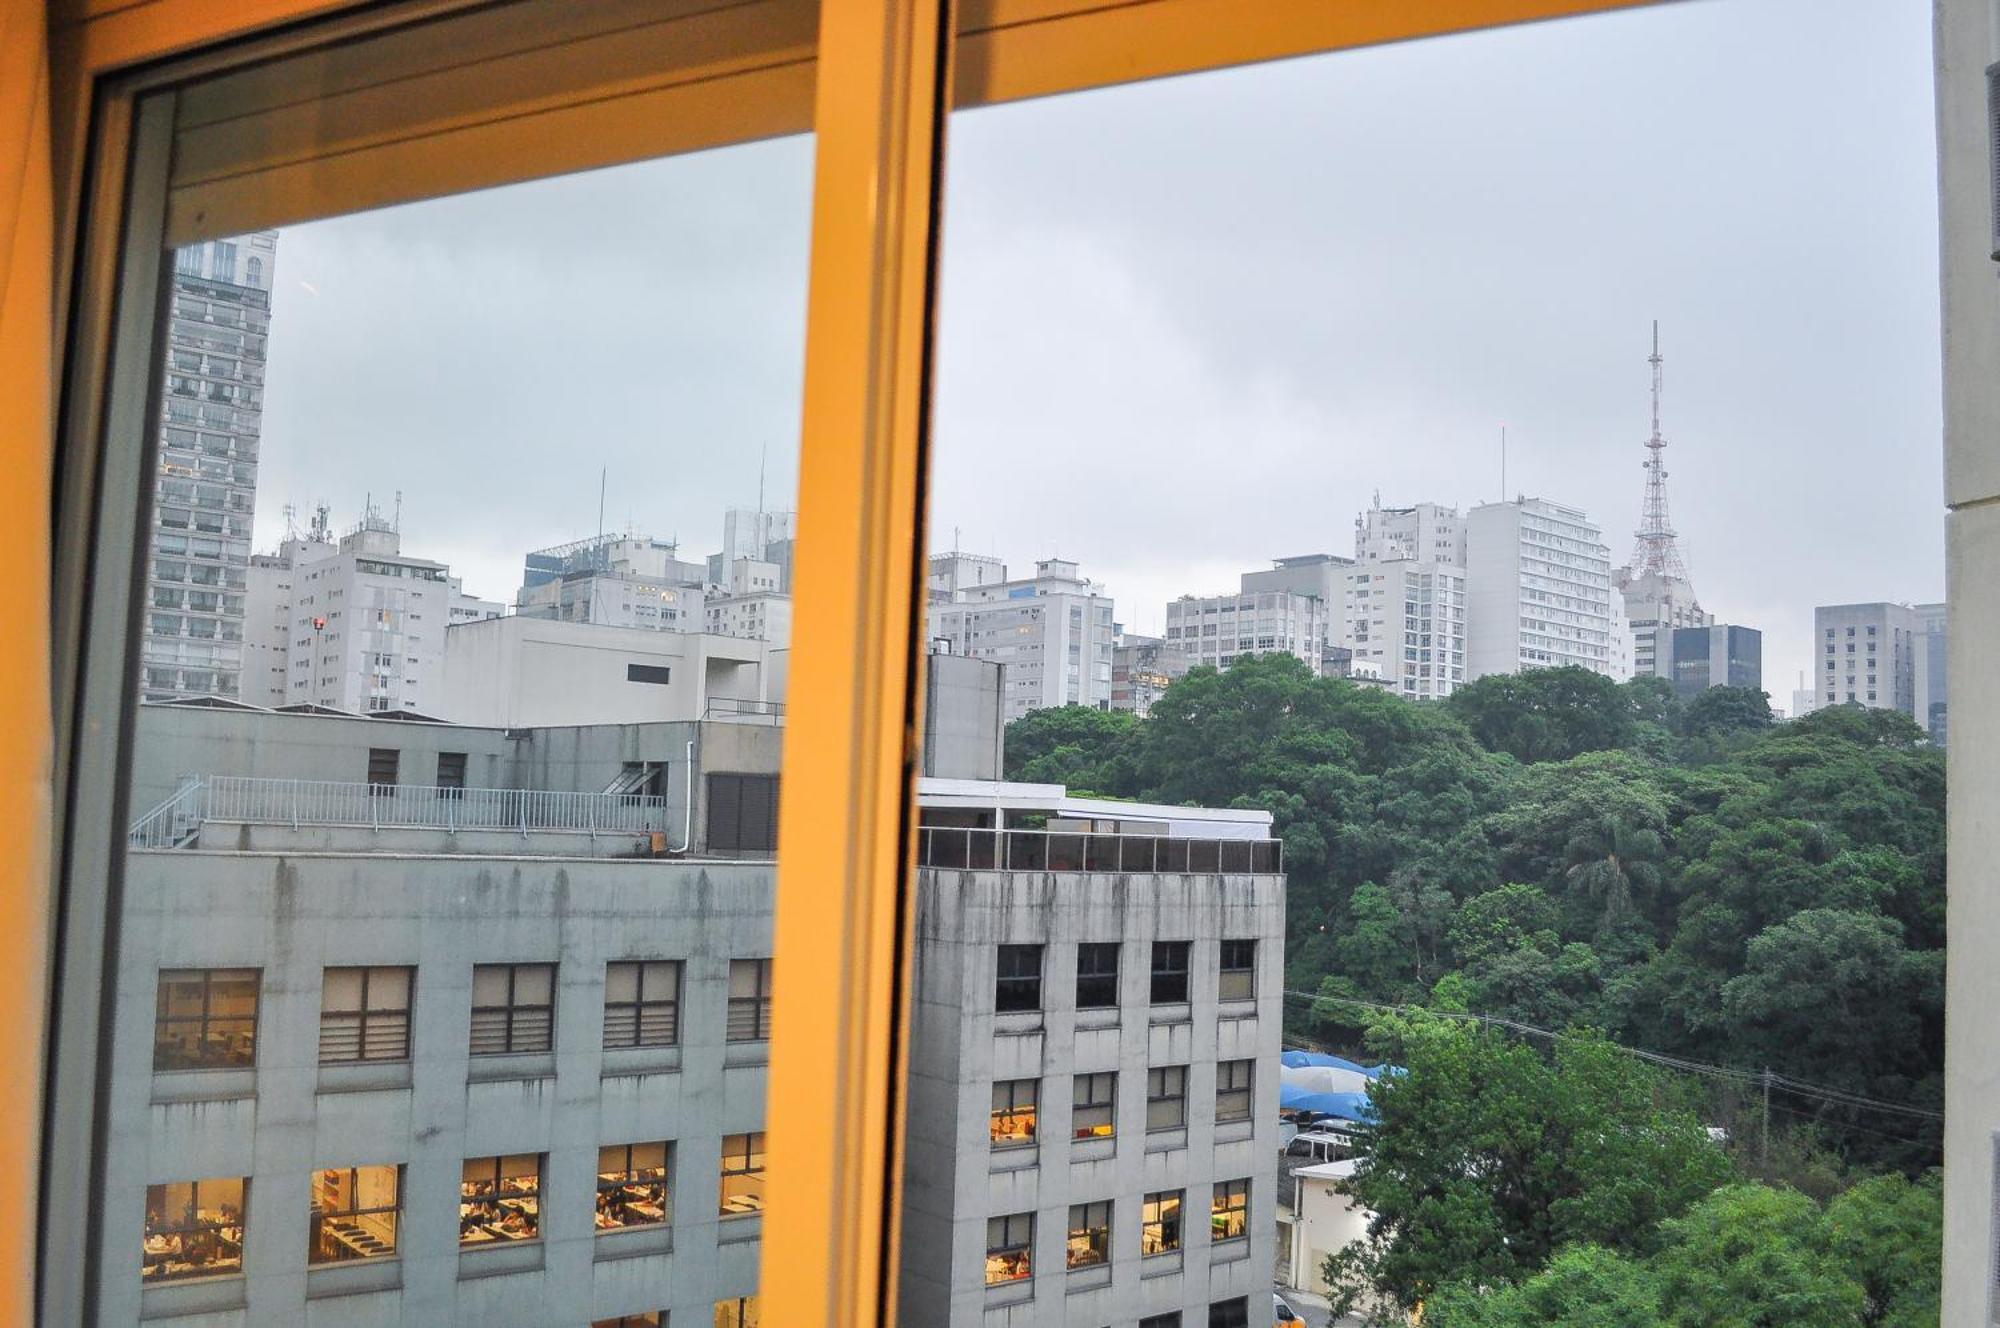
[1322,1222]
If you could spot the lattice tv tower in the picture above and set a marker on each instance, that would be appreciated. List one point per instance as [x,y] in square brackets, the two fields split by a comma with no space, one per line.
[1656,552]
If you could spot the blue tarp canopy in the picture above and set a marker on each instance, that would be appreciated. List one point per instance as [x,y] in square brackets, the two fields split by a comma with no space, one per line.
[1346,1106]
[1299,1060]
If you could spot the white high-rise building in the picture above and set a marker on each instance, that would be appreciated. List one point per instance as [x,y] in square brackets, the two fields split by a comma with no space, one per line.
[1653,607]
[1884,657]
[1217,630]
[752,607]
[205,494]
[1053,632]
[359,625]
[1538,590]
[753,533]
[614,581]
[1401,610]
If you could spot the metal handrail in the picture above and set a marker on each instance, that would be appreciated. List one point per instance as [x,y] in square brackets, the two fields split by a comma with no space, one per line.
[302,802]
[983,849]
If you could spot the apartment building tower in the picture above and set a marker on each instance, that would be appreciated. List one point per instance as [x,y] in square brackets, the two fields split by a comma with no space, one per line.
[1885,657]
[614,581]
[1538,591]
[1401,611]
[1053,631]
[205,493]
[1142,668]
[1218,630]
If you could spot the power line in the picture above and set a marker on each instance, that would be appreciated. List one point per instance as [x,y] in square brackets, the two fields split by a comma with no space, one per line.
[1797,1087]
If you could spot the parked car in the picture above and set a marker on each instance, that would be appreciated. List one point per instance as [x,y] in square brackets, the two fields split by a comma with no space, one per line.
[1283,1315]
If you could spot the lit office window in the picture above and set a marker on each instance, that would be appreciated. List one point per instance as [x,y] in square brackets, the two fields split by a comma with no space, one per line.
[513,1008]
[355,1213]
[739,1312]
[1229,1217]
[632,1185]
[194,1229]
[206,1020]
[1094,1106]
[742,1174]
[1014,1102]
[1010,1248]
[650,1319]
[1160,1222]
[500,1199]
[1089,1233]
[364,1015]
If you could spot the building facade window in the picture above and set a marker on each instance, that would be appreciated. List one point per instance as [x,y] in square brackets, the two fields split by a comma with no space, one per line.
[513,1008]
[1229,1216]
[1172,1320]
[1230,1313]
[1094,1106]
[1233,1080]
[382,765]
[742,813]
[355,1213]
[1014,1109]
[742,1174]
[738,1312]
[1237,980]
[451,772]
[1097,975]
[364,1014]
[1170,972]
[1089,1234]
[632,1185]
[500,1198]
[650,1319]
[642,1003]
[206,1019]
[195,1229]
[1010,1248]
[749,1000]
[1166,1097]
[1017,986]
[1160,1222]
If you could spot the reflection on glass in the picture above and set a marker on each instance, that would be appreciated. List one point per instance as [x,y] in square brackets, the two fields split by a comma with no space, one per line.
[642,1004]
[1160,1222]
[1229,1217]
[1010,1243]
[207,1019]
[500,1198]
[1014,1102]
[194,1229]
[631,1186]
[1094,1106]
[742,1174]
[1089,1233]
[1097,975]
[364,1015]
[354,1213]
[1170,972]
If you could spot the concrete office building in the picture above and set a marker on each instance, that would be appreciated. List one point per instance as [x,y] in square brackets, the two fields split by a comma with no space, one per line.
[211,417]
[1405,621]
[1537,590]
[516,672]
[1218,630]
[953,572]
[751,606]
[1053,631]
[1933,692]
[1719,655]
[1093,1097]
[1421,533]
[393,1047]
[1967,43]
[1880,655]
[1655,607]
[614,581]
[963,726]
[1142,668]
[759,536]
[1322,575]
[360,624]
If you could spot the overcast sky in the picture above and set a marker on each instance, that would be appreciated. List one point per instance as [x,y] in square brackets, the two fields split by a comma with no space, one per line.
[1194,325]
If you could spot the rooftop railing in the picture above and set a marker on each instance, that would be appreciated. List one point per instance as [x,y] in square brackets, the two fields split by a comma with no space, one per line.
[978,849]
[305,802]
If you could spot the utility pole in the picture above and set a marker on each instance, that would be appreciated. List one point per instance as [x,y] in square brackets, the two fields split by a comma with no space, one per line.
[1764,1147]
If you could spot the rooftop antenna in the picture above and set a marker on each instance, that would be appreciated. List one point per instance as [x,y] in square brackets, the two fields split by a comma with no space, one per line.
[1656,551]
[1503,463]
[597,563]
[291,521]
[399,512]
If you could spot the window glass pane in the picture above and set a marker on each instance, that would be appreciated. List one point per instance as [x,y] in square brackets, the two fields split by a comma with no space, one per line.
[473,549]
[195,1229]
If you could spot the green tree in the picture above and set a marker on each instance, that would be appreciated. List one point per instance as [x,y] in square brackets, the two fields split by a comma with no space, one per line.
[1583,1287]
[1889,1234]
[1091,750]
[1546,714]
[1486,1155]
[1725,710]
[1755,1257]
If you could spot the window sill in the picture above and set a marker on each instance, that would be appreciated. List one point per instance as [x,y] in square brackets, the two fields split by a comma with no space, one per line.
[1234,1131]
[1164,1141]
[200,1295]
[1093,1147]
[1087,1278]
[203,1085]
[1015,1291]
[1229,1251]
[631,1242]
[1016,1022]
[732,1228]
[352,1276]
[363,1076]
[641,1060]
[514,1256]
[1098,1017]
[746,1053]
[1014,1157]
[1167,1264]
[1170,1012]
[513,1065]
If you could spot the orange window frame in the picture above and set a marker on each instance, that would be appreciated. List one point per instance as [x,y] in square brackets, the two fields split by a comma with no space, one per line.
[887,72]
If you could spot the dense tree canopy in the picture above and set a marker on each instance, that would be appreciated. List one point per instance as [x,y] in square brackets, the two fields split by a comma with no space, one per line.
[1552,847]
